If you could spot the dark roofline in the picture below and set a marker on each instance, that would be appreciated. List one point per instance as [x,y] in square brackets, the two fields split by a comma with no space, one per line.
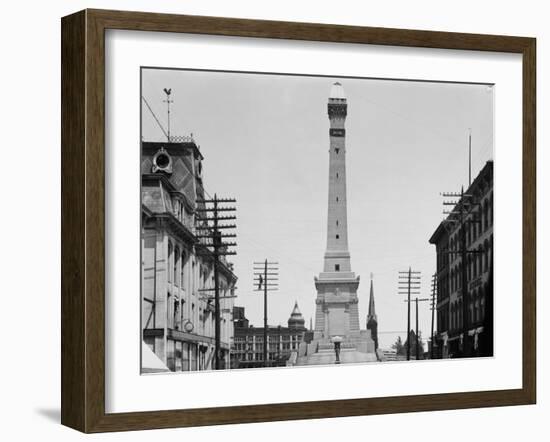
[484,170]
[186,145]
[441,227]
[438,233]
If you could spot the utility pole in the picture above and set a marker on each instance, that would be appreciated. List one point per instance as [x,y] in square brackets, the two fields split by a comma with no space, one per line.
[213,242]
[278,344]
[433,307]
[416,330]
[417,350]
[462,216]
[408,284]
[266,277]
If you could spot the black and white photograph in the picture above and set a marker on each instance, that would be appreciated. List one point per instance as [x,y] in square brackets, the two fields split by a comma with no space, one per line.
[304,220]
[261,221]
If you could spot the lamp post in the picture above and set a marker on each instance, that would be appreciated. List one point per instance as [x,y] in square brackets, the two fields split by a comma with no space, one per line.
[337,340]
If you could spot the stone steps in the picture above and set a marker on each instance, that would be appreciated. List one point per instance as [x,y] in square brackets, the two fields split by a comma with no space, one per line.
[328,357]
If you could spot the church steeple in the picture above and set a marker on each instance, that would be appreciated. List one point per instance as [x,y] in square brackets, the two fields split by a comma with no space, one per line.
[372,310]
[372,320]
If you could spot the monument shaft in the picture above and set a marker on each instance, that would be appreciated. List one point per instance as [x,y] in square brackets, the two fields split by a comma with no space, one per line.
[337,312]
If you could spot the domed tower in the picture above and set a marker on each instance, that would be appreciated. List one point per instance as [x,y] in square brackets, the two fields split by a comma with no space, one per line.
[296,320]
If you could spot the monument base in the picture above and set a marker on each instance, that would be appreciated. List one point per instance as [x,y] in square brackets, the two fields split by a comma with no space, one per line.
[353,349]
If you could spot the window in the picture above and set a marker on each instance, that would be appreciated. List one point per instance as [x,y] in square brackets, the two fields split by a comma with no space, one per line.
[336,199]
[480,259]
[486,255]
[182,268]
[453,317]
[176,312]
[176,262]
[490,210]
[336,267]
[337,236]
[336,175]
[169,262]
[336,222]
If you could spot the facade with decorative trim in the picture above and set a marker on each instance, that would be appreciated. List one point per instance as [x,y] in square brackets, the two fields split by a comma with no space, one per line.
[478,270]
[178,320]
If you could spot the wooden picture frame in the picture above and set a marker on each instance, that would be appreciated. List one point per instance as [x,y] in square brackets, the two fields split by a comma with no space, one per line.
[83,220]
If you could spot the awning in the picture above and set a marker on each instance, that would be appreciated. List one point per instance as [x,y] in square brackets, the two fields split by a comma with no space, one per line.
[475,331]
[150,362]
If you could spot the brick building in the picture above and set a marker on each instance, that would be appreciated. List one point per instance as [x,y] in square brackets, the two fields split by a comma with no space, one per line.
[248,341]
[177,268]
[478,206]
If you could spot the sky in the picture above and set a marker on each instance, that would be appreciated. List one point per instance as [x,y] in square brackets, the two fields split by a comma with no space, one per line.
[264,138]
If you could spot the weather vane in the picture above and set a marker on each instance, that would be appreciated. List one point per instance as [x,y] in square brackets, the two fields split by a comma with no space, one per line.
[168,101]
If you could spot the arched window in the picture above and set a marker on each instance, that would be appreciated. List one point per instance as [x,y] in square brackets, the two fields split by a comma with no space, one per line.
[453,316]
[457,319]
[480,259]
[453,280]
[456,277]
[452,321]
